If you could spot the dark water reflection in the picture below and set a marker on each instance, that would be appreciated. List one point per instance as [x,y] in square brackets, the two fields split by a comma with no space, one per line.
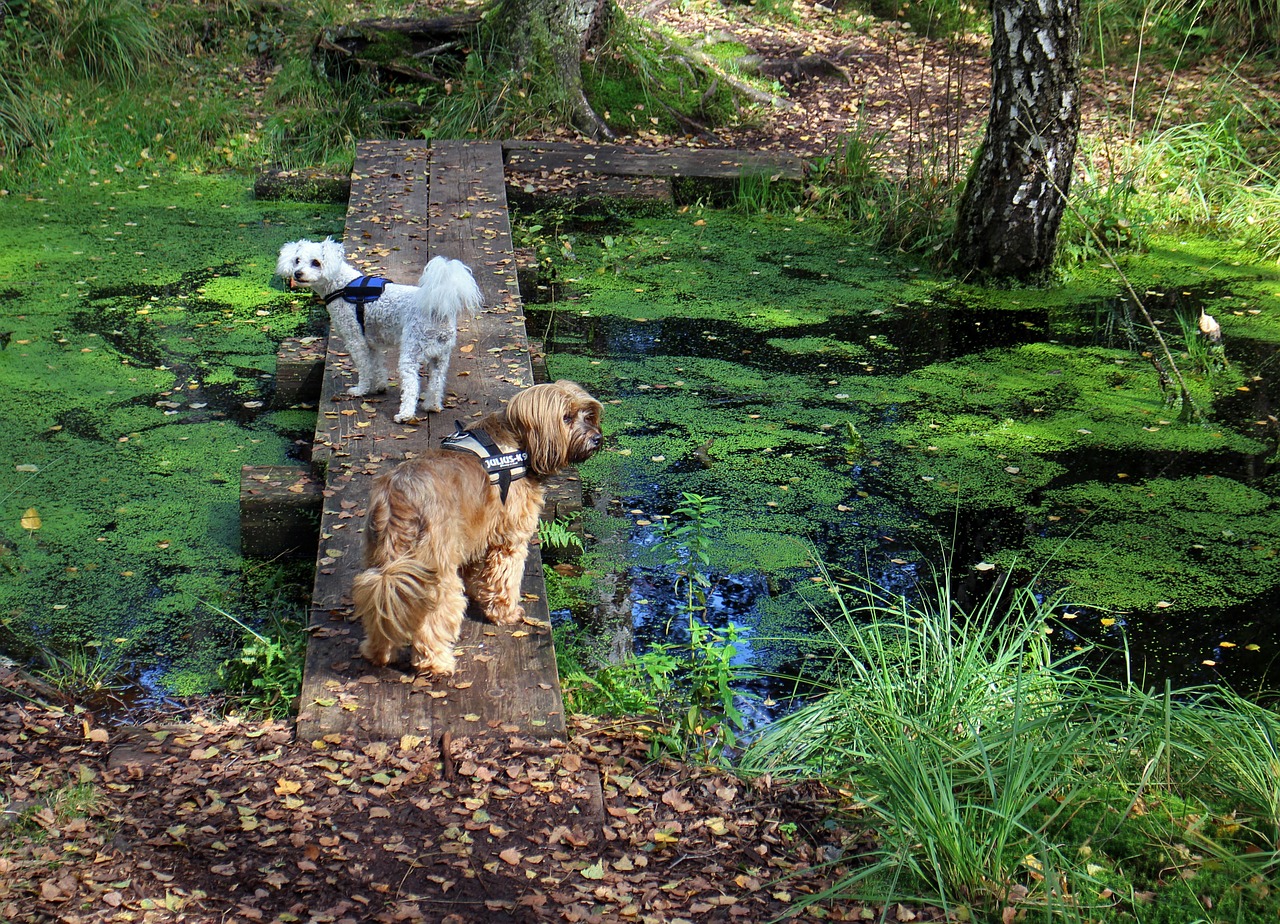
[1235,645]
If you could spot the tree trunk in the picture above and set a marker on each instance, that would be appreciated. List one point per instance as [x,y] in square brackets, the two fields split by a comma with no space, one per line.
[1011,208]
[550,37]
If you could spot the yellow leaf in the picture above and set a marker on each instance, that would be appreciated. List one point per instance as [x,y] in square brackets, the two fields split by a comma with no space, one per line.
[31,519]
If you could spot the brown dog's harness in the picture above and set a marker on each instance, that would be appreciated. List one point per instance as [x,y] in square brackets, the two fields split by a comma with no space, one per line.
[501,467]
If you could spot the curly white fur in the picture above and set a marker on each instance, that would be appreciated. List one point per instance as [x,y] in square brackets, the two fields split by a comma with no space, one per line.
[421,321]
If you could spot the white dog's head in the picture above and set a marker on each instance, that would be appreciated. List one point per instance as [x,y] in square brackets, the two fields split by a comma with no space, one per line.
[306,263]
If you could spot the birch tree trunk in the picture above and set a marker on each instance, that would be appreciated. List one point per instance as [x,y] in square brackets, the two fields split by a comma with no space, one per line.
[549,37]
[1012,205]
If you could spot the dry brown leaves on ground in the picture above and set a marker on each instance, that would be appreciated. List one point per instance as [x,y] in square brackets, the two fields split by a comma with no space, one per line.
[231,820]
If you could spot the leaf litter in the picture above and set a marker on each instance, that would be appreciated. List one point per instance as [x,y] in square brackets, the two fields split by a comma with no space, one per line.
[232,819]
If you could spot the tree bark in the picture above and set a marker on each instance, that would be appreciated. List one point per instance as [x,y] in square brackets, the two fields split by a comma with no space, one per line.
[551,36]
[1012,205]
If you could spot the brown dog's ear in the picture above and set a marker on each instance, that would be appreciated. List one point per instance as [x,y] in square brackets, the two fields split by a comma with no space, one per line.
[537,414]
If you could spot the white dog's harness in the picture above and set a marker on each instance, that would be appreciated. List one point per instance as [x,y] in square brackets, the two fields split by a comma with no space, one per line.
[501,467]
[359,292]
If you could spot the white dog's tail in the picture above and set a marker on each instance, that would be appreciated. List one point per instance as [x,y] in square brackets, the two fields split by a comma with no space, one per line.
[449,290]
[388,598]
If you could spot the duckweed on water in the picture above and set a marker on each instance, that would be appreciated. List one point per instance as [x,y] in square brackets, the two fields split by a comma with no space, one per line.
[739,352]
[142,327]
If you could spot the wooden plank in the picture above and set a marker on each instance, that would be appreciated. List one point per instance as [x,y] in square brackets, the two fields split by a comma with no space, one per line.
[507,677]
[299,371]
[628,160]
[279,511]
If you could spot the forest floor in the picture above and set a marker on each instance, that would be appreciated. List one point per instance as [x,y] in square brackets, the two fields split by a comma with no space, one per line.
[198,818]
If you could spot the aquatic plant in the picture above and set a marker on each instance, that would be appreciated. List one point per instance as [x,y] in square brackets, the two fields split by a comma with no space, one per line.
[265,676]
[979,412]
[138,367]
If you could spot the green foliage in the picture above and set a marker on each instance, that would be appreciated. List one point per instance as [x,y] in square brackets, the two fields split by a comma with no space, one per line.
[559,534]
[265,676]
[114,40]
[642,80]
[595,687]
[1169,28]
[66,802]
[912,211]
[691,689]
[997,777]
[84,670]
[934,18]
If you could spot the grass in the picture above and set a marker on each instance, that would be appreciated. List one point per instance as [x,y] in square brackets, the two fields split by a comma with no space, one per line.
[999,778]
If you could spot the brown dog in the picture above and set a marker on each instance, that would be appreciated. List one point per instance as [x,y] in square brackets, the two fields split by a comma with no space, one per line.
[456,524]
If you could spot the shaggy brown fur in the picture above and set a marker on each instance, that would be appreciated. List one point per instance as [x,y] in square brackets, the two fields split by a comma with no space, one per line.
[437,532]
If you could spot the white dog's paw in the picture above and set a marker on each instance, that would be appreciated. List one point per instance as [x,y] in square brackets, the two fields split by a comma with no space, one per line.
[404,418]
[357,391]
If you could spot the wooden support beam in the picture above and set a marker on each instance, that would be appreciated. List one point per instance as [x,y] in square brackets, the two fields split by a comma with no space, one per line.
[279,511]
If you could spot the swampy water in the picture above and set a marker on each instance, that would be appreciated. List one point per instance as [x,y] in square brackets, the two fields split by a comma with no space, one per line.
[846,407]
[852,409]
[140,332]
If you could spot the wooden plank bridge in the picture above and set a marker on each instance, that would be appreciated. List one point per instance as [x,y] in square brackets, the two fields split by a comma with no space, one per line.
[410,201]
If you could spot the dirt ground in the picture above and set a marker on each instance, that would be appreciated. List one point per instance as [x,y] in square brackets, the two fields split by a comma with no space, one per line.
[216,820]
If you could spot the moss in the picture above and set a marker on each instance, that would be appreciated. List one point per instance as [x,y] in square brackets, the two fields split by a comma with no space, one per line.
[137,342]
[1199,542]
[737,352]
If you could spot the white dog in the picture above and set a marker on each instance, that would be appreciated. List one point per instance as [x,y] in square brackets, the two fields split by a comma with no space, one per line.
[373,315]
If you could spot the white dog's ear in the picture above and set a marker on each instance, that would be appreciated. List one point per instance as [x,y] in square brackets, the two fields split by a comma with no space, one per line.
[334,253]
[288,253]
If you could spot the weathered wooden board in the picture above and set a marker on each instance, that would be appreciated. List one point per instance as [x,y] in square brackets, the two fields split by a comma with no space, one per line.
[507,675]
[279,511]
[627,160]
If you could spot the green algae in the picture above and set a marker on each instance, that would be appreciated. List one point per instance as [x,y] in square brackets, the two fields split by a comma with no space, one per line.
[1194,543]
[143,335]
[735,354]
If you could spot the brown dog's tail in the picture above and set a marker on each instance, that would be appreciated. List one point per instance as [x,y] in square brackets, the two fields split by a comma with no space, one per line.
[387,598]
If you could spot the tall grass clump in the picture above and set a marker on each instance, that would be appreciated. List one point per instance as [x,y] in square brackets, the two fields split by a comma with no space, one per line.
[949,725]
[1202,174]
[1175,25]
[113,40]
[1002,781]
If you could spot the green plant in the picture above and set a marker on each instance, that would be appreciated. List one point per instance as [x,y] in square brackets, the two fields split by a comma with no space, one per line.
[266,675]
[114,40]
[608,689]
[1000,779]
[81,670]
[559,534]
[697,685]
[952,723]
[65,802]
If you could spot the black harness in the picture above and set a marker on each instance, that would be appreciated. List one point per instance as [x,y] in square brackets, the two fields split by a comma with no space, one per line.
[501,467]
[359,292]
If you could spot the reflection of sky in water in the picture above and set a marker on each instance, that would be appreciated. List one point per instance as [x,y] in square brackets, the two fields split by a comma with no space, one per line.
[909,338]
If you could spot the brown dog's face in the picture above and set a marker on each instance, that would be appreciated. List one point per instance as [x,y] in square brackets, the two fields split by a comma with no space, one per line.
[560,423]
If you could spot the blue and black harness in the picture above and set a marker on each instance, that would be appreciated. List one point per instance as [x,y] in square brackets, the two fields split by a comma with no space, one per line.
[359,292]
[501,467]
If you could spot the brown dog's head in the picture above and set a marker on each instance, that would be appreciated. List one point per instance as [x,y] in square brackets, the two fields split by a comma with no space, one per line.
[559,424]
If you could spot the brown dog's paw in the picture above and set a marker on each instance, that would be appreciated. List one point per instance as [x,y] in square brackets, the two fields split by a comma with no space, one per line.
[440,664]
[506,616]
[377,657]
